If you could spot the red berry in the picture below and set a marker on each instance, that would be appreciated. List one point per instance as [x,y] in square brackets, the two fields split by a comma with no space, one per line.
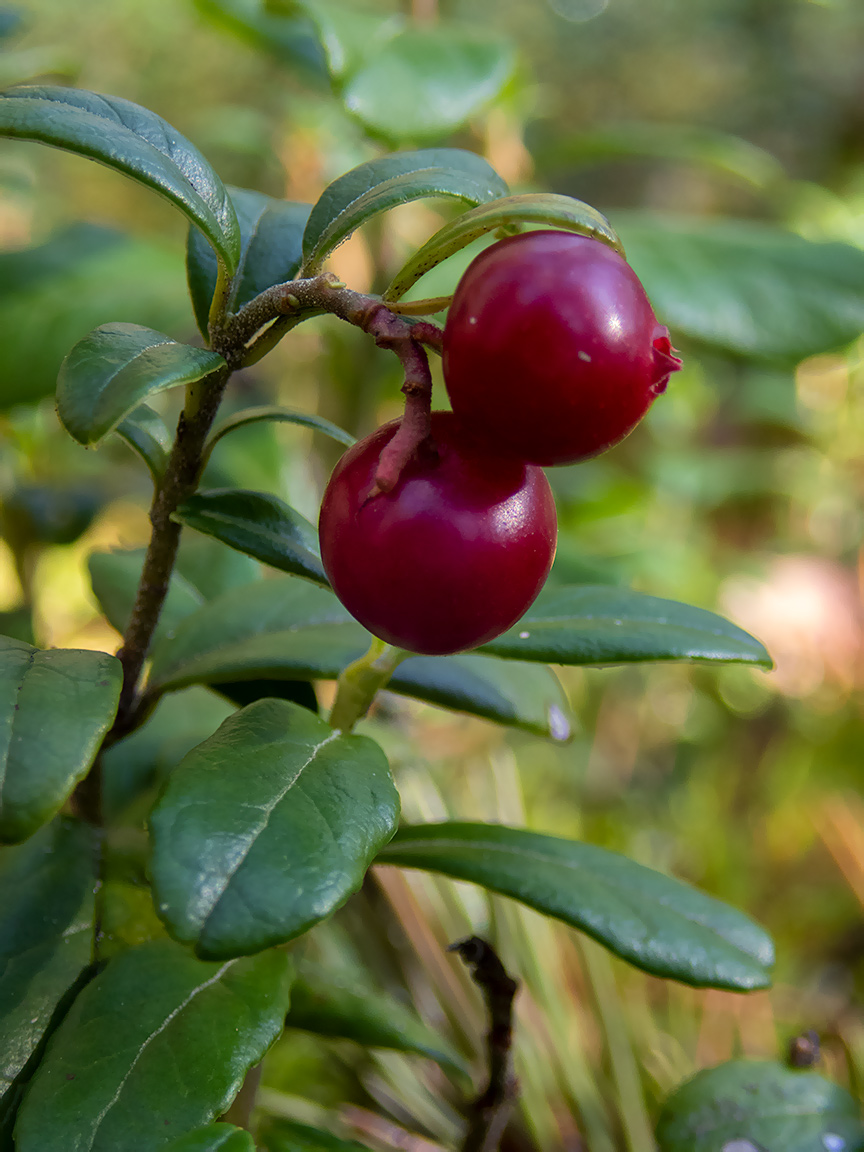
[552,349]
[448,559]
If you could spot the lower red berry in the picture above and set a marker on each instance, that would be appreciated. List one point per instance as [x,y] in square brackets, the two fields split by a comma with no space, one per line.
[452,556]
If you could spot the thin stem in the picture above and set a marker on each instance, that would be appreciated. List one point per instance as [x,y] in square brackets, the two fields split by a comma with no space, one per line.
[361,681]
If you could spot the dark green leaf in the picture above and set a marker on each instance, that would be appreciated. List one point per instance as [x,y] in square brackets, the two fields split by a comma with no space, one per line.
[157,1044]
[531,208]
[755,1106]
[46,937]
[266,828]
[286,628]
[387,182]
[114,577]
[281,1135]
[108,373]
[290,38]
[349,38]
[55,707]
[132,140]
[604,625]
[422,85]
[332,1005]
[258,524]
[656,923]
[214,1138]
[748,288]
[271,237]
[43,514]
[11,22]
[285,415]
[145,432]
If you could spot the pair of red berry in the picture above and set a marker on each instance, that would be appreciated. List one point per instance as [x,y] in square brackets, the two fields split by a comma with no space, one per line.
[552,353]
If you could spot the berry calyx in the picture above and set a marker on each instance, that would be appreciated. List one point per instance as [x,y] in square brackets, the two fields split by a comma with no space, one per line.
[551,348]
[452,556]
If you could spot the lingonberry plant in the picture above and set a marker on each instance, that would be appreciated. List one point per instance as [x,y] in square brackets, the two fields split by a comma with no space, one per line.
[436,536]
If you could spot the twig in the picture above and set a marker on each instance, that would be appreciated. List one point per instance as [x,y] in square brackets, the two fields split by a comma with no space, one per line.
[489,1113]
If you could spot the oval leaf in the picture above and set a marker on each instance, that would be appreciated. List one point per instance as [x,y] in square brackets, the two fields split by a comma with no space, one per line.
[381,184]
[110,1078]
[512,211]
[285,415]
[114,578]
[755,1106]
[347,36]
[281,1135]
[46,937]
[40,763]
[266,828]
[606,625]
[145,432]
[214,1138]
[132,140]
[271,237]
[287,629]
[653,922]
[108,373]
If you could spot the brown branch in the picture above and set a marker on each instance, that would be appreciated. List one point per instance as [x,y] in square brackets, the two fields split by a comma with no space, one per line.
[489,1113]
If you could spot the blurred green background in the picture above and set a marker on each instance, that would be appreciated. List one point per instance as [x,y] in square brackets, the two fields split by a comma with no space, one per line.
[724,139]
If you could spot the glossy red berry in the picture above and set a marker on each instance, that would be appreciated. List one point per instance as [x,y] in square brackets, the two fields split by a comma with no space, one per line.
[551,348]
[448,559]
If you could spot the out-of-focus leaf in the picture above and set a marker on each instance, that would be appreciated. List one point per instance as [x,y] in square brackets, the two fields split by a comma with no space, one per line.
[284,415]
[288,36]
[55,707]
[47,514]
[25,64]
[381,184]
[747,288]
[603,625]
[145,432]
[214,1138]
[653,922]
[132,140]
[266,828]
[114,577]
[757,1106]
[158,1042]
[281,1135]
[349,37]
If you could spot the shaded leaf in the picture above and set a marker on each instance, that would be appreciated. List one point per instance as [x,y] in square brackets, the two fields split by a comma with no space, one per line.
[281,1135]
[40,763]
[289,629]
[290,38]
[655,923]
[271,236]
[276,413]
[158,1042]
[605,625]
[132,140]
[114,578]
[258,524]
[349,37]
[532,208]
[756,1106]
[211,567]
[266,828]
[108,373]
[145,432]
[381,184]
[214,1138]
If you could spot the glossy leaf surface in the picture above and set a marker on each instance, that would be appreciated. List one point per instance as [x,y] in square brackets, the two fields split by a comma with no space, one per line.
[146,433]
[214,1138]
[281,1135]
[287,629]
[381,184]
[114,577]
[655,923]
[266,828]
[271,236]
[42,760]
[46,931]
[756,1106]
[605,625]
[158,1036]
[532,208]
[131,140]
[111,371]
[258,524]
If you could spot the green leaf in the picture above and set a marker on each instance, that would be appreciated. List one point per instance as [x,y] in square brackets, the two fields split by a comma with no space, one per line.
[114,578]
[756,1106]
[379,185]
[258,524]
[747,288]
[281,1135]
[271,237]
[212,568]
[266,828]
[289,38]
[286,628]
[285,415]
[157,1044]
[214,1138]
[511,211]
[423,84]
[46,937]
[132,140]
[55,707]
[330,1004]
[653,922]
[108,373]
[145,432]
[349,38]
[605,625]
